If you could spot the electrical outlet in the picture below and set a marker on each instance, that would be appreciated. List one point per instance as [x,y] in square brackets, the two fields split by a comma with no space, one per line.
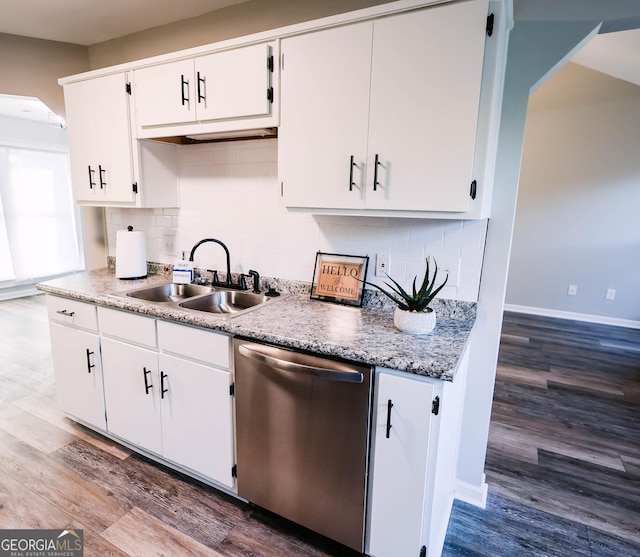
[382,265]
[611,294]
[573,290]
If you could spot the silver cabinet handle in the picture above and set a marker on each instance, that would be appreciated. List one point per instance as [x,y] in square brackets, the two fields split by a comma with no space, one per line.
[65,312]
[258,354]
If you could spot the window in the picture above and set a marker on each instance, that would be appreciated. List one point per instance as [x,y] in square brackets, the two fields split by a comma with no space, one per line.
[38,235]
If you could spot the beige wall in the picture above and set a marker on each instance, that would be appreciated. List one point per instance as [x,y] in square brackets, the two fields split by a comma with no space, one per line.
[576,219]
[235,21]
[31,67]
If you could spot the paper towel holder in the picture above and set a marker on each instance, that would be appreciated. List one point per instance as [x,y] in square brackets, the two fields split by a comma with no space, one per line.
[131,254]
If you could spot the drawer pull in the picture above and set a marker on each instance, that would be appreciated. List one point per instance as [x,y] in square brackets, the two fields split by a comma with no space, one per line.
[184,82]
[201,81]
[147,385]
[163,375]
[101,172]
[351,182]
[66,313]
[90,366]
[376,164]
[389,407]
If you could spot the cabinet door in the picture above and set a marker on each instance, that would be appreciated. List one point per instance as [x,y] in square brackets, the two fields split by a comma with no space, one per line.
[100,139]
[234,84]
[425,92]
[197,418]
[76,360]
[399,465]
[165,94]
[82,123]
[324,114]
[132,393]
[113,133]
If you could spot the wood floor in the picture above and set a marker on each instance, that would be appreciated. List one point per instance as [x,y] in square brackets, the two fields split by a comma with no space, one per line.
[563,464]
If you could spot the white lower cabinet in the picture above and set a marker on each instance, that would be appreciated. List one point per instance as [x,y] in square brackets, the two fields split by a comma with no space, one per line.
[76,360]
[161,387]
[196,416]
[413,463]
[163,402]
[75,350]
[132,393]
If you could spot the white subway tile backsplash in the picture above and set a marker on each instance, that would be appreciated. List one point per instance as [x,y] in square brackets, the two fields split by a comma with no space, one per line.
[470,275]
[230,191]
[467,292]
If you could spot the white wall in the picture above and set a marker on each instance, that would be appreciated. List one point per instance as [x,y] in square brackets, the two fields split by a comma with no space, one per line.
[230,191]
[577,213]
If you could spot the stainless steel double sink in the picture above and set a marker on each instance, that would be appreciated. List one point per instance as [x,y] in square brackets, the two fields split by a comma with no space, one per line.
[216,300]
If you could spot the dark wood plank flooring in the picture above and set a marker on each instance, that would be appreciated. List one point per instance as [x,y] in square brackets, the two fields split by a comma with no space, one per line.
[563,464]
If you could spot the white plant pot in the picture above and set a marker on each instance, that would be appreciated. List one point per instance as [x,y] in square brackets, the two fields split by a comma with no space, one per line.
[414,322]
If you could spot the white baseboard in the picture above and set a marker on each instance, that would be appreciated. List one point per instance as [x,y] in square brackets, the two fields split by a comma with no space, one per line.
[628,323]
[18,292]
[473,494]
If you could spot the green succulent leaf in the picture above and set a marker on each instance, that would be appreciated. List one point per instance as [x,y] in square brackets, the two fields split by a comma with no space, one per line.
[419,299]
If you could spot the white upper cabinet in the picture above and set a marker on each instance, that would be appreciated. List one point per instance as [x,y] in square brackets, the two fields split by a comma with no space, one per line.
[324,117]
[99,139]
[108,166]
[233,85]
[400,95]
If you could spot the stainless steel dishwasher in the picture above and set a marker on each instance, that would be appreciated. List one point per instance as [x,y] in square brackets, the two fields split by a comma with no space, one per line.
[302,428]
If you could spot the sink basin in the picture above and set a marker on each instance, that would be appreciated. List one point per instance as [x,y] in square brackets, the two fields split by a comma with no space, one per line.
[227,302]
[169,292]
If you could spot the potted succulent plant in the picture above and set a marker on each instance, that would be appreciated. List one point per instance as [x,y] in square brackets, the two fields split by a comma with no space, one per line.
[413,314]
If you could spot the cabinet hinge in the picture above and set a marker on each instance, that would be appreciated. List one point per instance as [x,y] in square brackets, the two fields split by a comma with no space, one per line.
[128,88]
[234,471]
[435,406]
[270,63]
[232,389]
[134,186]
[474,189]
[423,551]
[490,20]
[270,94]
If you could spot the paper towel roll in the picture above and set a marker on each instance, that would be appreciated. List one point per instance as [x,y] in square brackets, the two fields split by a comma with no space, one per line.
[131,254]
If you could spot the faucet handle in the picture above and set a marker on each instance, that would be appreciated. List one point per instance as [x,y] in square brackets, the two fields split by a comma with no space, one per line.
[214,277]
[243,282]
[256,280]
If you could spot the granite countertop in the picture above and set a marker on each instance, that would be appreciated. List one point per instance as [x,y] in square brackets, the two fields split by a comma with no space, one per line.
[365,335]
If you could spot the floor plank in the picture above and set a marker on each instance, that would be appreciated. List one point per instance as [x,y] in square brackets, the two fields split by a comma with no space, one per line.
[59,485]
[137,529]
[22,508]
[45,408]
[40,434]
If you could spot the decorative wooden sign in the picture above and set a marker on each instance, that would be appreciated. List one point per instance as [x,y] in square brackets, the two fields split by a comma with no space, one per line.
[339,278]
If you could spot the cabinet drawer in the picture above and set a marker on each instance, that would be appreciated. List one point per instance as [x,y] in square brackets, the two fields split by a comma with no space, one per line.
[133,328]
[200,344]
[72,312]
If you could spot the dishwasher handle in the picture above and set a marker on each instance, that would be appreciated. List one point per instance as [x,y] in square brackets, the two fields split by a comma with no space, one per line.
[253,352]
